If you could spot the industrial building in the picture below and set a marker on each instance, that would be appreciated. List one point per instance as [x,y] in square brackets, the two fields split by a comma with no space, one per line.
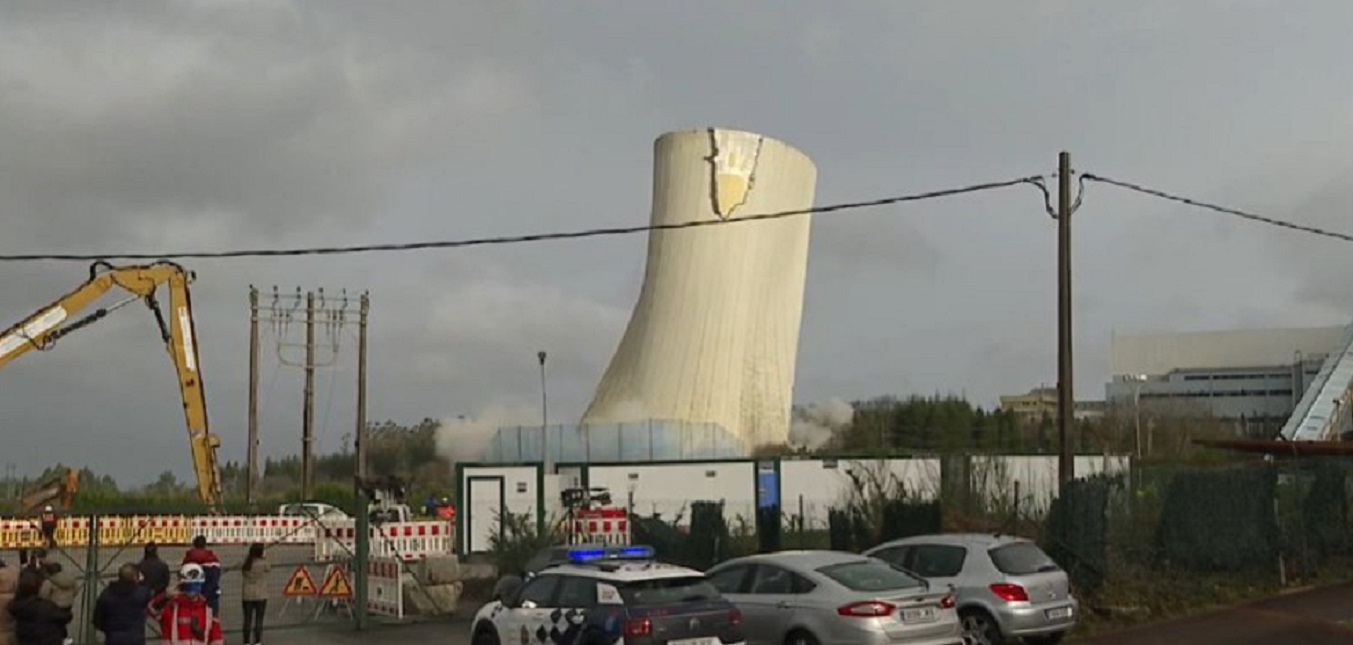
[1257,378]
[1041,403]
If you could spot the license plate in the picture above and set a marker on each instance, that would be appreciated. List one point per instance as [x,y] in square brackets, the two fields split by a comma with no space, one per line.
[695,641]
[1058,613]
[921,615]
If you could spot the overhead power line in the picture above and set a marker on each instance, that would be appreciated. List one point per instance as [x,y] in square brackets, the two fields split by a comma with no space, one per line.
[1220,209]
[519,239]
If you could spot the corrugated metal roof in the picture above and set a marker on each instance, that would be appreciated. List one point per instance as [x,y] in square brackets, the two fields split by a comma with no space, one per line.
[1157,354]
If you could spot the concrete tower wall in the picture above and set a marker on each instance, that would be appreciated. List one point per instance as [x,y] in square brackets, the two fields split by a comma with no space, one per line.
[714,335]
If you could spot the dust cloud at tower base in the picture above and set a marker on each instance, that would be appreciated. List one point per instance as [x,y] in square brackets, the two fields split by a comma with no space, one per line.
[714,335]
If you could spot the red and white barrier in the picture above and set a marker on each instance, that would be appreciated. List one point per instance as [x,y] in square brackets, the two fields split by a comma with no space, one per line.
[336,539]
[385,596]
[609,526]
[402,540]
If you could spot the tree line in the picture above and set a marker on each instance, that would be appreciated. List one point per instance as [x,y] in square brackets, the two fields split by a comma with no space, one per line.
[408,451]
[880,426]
[953,425]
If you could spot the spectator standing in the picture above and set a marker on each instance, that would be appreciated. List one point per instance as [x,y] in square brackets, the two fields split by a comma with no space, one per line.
[154,571]
[49,522]
[9,585]
[35,559]
[59,588]
[255,572]
[37,621]
[185,616]
[204,557]
[120,612]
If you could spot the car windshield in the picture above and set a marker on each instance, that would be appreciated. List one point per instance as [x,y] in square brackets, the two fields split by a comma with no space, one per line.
[870,576]
[667,591]
[1022,558]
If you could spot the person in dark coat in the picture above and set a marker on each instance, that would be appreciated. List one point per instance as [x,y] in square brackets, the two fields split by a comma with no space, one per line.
[37,621]
[36,558]
[49,522]
[154,571]
[204,557]
[120,612]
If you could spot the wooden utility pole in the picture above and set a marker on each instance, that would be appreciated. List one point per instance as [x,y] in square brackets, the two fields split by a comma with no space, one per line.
[363,312]
[1066,400]
[250,485]
[308,416]
[544,417]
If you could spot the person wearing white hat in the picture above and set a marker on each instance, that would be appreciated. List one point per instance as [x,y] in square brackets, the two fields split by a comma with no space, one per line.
[49,522]
[185,616]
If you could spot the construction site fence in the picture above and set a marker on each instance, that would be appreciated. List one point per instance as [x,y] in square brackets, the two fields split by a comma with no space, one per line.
[408,541]
[411,540]
[304,590]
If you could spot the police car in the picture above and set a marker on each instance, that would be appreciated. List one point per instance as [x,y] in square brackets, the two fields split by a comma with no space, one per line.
[609,596]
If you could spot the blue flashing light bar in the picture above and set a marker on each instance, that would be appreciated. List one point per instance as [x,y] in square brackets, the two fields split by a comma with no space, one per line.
[582,555]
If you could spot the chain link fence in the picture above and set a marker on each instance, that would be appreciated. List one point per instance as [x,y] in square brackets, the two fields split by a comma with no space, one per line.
[426,588]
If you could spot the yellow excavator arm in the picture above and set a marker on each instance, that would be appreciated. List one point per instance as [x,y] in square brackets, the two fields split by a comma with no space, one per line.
[61,490]
[49,324]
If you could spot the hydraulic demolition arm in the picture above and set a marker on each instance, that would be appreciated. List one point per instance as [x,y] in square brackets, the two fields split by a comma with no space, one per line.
[51,323]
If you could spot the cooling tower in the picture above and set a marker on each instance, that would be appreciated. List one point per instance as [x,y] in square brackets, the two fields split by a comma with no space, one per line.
[714,336]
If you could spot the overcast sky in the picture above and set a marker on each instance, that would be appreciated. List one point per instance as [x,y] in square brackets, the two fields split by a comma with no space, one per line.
[157,127]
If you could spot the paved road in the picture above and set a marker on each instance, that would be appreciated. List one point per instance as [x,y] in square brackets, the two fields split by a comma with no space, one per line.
[1311,617]
[443,632]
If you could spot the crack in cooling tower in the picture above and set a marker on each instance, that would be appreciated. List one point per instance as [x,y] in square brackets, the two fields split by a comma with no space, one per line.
[738,172]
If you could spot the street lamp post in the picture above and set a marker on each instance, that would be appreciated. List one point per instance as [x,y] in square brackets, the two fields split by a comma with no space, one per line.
[544,414]
[1137,380]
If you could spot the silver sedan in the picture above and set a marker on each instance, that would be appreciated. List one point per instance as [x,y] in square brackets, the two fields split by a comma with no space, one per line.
[1008,589]
[834,598]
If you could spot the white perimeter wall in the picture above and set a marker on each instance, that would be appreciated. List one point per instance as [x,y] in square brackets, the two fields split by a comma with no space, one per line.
[818,485]
[1034,478]
[513,487]
[668,488]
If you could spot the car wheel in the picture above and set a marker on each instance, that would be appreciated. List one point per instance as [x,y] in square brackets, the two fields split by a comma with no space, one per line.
[979,628]
[800,637]
[485,636]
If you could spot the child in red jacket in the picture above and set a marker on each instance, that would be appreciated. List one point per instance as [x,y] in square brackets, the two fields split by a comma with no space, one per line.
[185,616]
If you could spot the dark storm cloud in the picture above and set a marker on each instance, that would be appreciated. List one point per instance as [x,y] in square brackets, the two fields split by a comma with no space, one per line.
[211,124]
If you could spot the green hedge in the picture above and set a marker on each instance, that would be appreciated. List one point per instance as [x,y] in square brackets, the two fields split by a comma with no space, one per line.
[1076,534]
[1220,520]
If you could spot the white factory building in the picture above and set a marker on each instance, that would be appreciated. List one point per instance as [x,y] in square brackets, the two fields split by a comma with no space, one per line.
[1257,376]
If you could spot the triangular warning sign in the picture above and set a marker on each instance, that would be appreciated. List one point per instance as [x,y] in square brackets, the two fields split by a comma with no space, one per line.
[336,585]
[301,585]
